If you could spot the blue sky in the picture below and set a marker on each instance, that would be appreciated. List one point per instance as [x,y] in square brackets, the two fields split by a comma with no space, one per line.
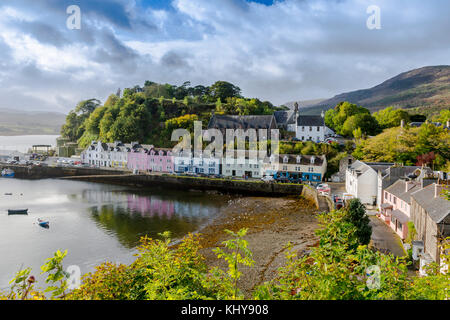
[274,50]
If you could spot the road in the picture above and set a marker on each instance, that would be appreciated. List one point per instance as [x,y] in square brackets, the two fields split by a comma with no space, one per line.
[384,238]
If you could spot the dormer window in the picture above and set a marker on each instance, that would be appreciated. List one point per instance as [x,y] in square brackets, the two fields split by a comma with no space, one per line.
[313,159]
[285,159]
[299,159]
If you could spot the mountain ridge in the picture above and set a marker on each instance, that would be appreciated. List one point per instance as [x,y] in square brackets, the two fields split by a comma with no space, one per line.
[427,87]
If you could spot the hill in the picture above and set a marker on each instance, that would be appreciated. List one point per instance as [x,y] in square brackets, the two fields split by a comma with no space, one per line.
[14,123]
[426,90]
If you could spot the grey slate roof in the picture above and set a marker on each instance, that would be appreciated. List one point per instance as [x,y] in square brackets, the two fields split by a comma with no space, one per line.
[242,122]
[304,159]
[362,167]
[398,189]
[311,121]
[400,216]
[437,207]
[284,117]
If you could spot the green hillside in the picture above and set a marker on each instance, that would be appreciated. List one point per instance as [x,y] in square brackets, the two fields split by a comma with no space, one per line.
[425,91]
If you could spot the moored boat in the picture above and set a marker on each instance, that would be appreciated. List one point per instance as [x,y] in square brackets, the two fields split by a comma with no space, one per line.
[17,211]
[42,223]
[7,173]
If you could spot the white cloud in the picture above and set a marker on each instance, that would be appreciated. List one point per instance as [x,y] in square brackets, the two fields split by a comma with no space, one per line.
[291,50]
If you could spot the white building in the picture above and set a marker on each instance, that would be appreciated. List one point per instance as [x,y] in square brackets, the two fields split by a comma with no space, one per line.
[97,154]
[242,165]
[187,162]
[361,180]
[111,155]
[311,128]
[308,168]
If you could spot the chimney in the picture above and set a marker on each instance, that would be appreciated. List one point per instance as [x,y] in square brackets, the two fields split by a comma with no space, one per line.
[438,190]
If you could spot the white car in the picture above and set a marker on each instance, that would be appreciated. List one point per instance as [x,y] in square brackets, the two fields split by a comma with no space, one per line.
[267,178]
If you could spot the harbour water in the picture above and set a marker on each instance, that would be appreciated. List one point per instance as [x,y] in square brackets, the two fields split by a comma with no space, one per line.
[94,222]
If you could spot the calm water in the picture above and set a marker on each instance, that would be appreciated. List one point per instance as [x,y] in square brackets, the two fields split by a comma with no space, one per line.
[94,222]
[24,143]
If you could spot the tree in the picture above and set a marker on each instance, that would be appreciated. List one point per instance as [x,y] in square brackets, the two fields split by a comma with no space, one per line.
[74,127]
[364,121]
[224,90]
[336,118]
[390,117]
[356,214]
[443,117]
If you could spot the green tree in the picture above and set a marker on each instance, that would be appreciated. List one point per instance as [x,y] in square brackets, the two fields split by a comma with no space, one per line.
[356,214]
[390,117]
[224,90]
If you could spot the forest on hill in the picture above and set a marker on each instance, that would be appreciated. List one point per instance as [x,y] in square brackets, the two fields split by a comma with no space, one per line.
[148,114]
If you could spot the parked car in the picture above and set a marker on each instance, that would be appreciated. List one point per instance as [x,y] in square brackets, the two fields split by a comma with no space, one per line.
[268,178]
[323,189]
[339,203]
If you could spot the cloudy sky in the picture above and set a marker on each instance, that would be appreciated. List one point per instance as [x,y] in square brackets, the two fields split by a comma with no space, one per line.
[274,50]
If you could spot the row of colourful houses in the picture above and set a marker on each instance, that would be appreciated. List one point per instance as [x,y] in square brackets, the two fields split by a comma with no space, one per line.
[405,195]
[147,158]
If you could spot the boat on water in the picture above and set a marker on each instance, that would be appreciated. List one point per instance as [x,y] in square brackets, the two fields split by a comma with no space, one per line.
[7,173]
[17,211]
[43,224]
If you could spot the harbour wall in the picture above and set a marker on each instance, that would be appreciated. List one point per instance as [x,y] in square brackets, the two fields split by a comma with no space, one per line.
[244,187]
[44,172]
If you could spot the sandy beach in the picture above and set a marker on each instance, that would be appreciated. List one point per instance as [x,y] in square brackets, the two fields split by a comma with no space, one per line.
[272,223]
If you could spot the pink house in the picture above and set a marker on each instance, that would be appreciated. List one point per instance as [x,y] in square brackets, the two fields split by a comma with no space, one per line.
[396,205]
[138,158]
[160,160]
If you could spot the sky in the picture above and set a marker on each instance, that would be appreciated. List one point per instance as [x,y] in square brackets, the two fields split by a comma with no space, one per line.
[280,51]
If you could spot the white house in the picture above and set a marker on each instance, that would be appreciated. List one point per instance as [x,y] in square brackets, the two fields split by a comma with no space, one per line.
[308,168]
[187,162]
[108,154]
[361,180]
[97,154]
[311,128]
[240,166]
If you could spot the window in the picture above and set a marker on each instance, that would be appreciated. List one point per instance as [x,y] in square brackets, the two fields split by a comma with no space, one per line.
[318,129]
[303,129]
[385,195]
[310,128]
[395,200]
[284,168]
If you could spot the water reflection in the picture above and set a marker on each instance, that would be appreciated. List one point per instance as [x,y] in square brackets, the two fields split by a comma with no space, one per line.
[129,216]
[94,222]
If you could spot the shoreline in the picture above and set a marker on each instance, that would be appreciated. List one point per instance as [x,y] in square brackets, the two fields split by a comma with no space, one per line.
[272,223]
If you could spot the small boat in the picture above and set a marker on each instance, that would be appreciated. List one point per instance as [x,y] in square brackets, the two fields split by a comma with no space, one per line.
[43,224]
[7,173]
[19,211]
[8,194]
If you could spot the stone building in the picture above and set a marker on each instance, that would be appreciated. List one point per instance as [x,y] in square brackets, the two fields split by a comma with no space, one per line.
[430,212]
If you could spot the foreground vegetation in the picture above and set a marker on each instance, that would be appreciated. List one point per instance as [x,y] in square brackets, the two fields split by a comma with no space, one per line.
[341,266]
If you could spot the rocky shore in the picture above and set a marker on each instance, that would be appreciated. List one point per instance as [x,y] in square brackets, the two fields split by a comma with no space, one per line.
[271,223]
